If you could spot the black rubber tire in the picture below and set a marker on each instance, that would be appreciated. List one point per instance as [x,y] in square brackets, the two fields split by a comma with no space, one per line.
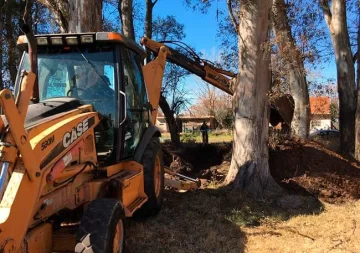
[99,221]
[154,203]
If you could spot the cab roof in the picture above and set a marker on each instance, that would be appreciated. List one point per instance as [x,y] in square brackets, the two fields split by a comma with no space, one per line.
[69,39]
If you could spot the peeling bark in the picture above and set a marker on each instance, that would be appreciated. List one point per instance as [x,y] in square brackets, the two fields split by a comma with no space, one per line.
[85,16]
[295,71]
[249,169]
[335,18]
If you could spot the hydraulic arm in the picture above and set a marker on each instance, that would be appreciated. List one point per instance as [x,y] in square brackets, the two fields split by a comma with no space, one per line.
[204,69]
[208,72]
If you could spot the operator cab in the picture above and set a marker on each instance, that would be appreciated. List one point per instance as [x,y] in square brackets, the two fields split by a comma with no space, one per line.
[97,69]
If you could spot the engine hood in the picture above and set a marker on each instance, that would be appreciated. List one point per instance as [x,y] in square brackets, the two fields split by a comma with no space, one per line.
[42,111]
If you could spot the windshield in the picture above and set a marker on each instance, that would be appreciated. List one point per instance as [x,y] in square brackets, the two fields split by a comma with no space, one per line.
[87,74]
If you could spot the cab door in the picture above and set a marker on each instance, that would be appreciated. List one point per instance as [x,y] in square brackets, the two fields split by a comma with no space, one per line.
[137,114]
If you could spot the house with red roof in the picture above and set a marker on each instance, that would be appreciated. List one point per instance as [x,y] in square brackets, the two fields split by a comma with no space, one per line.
[320,113]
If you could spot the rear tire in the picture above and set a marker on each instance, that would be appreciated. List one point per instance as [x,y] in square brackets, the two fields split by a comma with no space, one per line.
[153,164]
[102,228]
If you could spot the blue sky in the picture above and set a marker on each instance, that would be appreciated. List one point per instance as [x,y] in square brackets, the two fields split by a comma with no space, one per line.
[200,29]
[201,33]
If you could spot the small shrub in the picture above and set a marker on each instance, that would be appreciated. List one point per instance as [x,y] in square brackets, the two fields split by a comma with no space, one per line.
[188,138]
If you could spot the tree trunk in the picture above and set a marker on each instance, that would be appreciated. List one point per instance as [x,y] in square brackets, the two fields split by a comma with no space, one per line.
[60,10]
[148,23]
[125,8]
[249,169]
[149,18]
[357,116]
[170,120]
[336,22]
[85,16]
[164,105]
[295,71]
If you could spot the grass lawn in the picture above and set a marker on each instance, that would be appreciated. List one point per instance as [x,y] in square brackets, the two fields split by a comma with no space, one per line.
[221,220]
[214,137]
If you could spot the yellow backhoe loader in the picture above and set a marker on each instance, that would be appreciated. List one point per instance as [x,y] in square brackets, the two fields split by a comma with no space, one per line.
[78,143]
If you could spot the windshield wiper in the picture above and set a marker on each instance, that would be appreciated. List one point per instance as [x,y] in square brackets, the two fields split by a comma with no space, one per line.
[92,66]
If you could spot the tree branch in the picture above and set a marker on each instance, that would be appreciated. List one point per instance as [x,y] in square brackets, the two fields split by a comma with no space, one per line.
[355,57]
[232,17]
[327,12]
[60,10]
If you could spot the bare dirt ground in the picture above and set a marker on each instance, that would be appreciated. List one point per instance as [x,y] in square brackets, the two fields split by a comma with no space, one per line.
[217,219]
[309,168]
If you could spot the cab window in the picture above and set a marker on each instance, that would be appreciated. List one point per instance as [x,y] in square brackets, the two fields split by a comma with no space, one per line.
[136,99]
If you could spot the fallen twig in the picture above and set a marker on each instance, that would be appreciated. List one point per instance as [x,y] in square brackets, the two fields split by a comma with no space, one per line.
[347,239]
[297,232]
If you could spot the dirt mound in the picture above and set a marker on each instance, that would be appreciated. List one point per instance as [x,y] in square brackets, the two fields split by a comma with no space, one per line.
[309,168]
[302,168]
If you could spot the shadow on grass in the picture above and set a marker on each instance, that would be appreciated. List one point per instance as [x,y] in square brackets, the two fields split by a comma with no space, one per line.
[206,220]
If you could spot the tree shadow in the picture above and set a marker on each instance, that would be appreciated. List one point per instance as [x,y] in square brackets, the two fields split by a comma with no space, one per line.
[188,222]
[206,220]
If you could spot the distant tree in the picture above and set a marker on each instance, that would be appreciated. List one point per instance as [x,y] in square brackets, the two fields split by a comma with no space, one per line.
[13,14]
[212,101]
[173,96]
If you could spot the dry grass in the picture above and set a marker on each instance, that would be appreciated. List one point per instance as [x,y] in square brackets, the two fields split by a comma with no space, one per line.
[213,138]
[330,142]
[334,230]
[220,220]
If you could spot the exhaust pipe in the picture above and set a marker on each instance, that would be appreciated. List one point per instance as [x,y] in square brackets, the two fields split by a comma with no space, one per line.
[32,52]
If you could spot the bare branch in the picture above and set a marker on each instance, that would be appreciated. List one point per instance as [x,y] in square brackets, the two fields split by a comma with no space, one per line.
[355,57]
[60,10]
[327,12]
[232,17]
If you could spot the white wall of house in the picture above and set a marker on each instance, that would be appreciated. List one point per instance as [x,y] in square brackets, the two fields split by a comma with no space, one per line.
[162,125]
[319,124]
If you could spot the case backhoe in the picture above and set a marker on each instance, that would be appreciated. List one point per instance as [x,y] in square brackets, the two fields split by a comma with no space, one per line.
[78,143]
